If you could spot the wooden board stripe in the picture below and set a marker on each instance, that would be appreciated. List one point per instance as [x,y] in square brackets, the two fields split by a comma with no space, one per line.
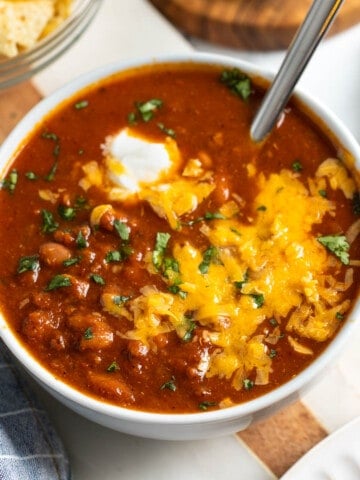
[14,103]
[282,439]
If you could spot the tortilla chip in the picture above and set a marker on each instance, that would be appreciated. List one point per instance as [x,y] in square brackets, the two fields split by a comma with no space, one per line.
[22,23]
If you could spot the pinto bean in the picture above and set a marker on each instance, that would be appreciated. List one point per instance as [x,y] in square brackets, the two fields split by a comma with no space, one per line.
[95,332]
[40,325]
[137,348]
[64,237]
[111,385]
[222,192]
[101,337]
[79,288]
[54,254]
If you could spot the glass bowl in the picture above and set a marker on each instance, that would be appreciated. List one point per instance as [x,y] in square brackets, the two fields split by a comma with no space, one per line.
[47,50]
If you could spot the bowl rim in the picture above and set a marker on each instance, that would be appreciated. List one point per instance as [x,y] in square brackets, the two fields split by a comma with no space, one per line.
[14,142]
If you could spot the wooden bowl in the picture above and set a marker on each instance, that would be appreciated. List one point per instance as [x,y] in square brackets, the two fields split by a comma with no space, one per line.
[248,24]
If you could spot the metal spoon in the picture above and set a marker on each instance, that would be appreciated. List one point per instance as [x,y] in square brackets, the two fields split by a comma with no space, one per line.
[307,38]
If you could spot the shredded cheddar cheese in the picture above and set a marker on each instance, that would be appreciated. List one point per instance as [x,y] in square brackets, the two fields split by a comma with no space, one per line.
[270,267]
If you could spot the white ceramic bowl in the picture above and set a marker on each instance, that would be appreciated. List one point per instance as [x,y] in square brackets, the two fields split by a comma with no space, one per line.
[175,426]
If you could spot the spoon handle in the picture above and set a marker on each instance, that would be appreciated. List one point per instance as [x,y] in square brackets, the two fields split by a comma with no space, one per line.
[314,27]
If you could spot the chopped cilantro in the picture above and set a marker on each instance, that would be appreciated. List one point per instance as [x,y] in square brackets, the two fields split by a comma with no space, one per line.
[71,261]
[261,208]
[258,299]
[168,131]
[206,405]
[339,316]
[214,216]
[9,183]
[240,284]
[147,109]
[31,176]
[248,384]
[80,202]
[211,255]
[207,216]
[273,322]
[88,334]
[56,151]
[82,104]
[190,328]
[97,279]
[50,176]
[272,353]
[122,229]
[236,231]
[158,253]
[322,193]
[297,166]
[49,225]
[57,282]
[126,251]
[119,255]
[338,245]
[237,82]
[131,118]
[112,367]
[67,213]
[81,240]
[176,290]
[169,265]
[30,263]
[169,385]
[50,136]
[113,256]
[120,299]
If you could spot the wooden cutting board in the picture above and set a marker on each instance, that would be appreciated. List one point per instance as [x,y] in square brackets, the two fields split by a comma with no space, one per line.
[248,24]
[278,441]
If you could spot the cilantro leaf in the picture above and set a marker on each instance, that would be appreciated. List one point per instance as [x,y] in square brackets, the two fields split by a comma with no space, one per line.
[28,264]
[211,255]
[159,250]
[112,367]
[97,279]
[122,229]
[297,166]
[237,82]
[88,334]
[169,385]
[80,105]
[120,299]
[147,109]
[49,225]
[57,282]
[9,183]
[338,245]
[205,405]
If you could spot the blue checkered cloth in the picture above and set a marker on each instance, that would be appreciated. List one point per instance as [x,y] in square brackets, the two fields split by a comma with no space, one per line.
[29,446]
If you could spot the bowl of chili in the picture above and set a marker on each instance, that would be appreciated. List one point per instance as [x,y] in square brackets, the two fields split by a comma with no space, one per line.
[162,274]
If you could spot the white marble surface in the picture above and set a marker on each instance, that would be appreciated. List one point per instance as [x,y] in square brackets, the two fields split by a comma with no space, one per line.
[132,28]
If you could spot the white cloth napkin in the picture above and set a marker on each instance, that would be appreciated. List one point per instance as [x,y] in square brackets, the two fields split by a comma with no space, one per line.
[30,448]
